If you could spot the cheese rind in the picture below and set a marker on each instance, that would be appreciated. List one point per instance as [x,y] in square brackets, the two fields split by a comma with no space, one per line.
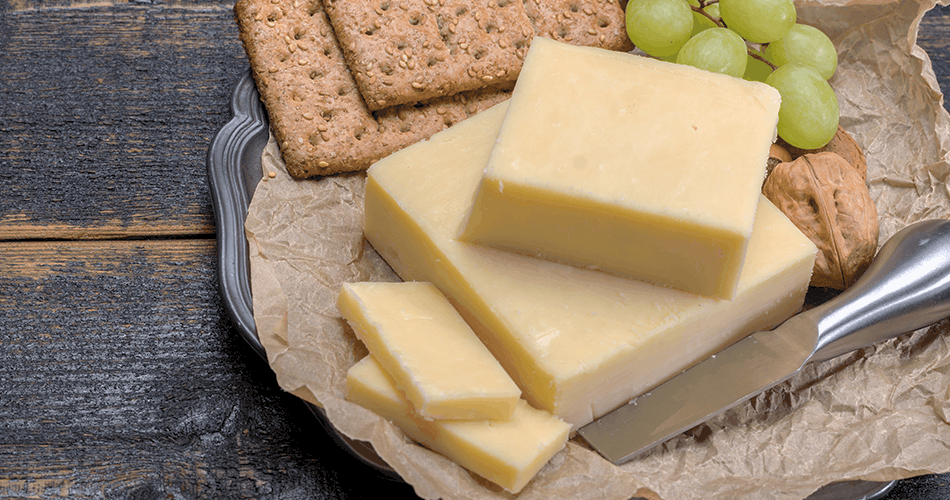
[631,165]
[432,354]
[508,453]
[578,342]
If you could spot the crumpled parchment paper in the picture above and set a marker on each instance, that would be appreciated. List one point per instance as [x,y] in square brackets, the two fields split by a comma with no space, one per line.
[879,414]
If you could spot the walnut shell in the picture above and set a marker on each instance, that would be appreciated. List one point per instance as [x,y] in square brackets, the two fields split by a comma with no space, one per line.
[828,201]
[777,154]
[843,145]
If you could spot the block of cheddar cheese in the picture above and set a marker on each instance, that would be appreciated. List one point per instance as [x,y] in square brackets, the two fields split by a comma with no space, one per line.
[432,354]
[579,342]
[508,453]
[630,165]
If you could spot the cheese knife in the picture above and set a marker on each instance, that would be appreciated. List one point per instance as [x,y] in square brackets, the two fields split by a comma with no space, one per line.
[906,287]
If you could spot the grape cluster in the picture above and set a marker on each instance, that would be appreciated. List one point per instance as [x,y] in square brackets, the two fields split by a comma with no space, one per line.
[753,39]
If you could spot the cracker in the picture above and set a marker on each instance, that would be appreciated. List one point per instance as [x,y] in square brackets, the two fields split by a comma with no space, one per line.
[316,114]
[405,51]
[593,23]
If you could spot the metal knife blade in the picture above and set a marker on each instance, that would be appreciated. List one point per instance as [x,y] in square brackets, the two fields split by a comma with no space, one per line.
[907,287]
[702,392]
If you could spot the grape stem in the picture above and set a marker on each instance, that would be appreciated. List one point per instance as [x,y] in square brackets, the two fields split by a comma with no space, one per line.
[754,55]
[701,9]
[719,22]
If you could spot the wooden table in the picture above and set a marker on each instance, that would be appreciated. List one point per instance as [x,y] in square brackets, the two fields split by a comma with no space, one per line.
[121,373]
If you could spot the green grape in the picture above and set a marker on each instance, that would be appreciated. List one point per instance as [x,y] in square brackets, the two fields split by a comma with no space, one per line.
[806,45]
[755,69]
[718,50]
[659,27]
[670,58]
[758,21]
[701,22]
[808,117]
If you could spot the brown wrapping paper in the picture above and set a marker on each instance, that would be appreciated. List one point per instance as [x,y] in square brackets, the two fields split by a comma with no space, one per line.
[878,414]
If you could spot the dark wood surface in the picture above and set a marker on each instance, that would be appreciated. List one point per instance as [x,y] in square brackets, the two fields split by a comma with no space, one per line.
[121,375]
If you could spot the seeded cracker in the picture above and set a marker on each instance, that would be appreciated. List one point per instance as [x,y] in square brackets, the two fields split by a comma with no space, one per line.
[403,51]
[592,23]
[316,114]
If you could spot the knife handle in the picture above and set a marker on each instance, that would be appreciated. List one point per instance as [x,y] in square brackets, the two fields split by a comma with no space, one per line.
[906,287]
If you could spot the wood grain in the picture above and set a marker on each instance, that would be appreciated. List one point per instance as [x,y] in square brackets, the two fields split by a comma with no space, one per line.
[122,378]
[121,375]
[107,114]
[934,37]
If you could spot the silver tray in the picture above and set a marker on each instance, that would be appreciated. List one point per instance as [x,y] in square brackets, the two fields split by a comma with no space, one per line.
[234,170]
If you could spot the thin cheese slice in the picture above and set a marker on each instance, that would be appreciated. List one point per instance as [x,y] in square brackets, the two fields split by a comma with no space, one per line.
[578,342]
[630,165]
[432,354]
[507,453]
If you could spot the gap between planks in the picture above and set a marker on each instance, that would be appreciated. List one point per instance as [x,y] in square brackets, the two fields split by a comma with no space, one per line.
[38,259]
[27,230]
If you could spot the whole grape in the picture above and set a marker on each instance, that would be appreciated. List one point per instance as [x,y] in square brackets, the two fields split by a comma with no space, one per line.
[759,21]
[716,49]
[659,27]
[808,116]
[806,45]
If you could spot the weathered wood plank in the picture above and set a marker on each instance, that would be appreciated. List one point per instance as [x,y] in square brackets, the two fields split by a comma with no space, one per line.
[106,114]
[35,5]
[123,378]
[934,37]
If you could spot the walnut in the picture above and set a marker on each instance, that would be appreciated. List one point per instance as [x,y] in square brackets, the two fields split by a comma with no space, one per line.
[842,144]
[826,198]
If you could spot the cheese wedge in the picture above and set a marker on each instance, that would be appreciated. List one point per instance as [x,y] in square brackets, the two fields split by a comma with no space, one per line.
[629,165]
[429,350]
[578,342]
[507,453]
